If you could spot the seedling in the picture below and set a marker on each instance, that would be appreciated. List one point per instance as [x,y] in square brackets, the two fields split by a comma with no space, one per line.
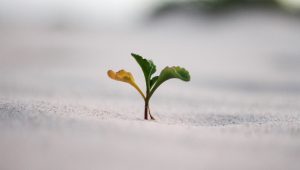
[152,82]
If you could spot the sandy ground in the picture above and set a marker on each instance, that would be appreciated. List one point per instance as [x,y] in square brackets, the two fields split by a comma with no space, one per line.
[58,109]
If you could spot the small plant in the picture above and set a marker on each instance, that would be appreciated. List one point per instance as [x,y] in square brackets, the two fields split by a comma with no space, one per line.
[152,82]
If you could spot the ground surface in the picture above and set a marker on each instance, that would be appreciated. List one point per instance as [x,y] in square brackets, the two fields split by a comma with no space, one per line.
[58,109]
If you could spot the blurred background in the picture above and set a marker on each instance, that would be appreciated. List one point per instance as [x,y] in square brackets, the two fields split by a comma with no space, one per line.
[80,14]
[64,47]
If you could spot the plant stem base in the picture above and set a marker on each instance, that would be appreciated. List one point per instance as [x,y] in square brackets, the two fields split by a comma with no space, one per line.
[147,112]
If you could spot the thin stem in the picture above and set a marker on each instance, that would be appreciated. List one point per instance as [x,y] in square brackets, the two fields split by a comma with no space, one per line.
[146,110]
[149,95]
[147,99]
[152,118]
[139,90]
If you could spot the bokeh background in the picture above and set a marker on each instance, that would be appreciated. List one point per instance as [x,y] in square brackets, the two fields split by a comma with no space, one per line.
[246,45]
[59,110]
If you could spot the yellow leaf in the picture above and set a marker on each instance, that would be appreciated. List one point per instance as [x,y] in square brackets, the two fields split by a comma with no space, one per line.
[126,77]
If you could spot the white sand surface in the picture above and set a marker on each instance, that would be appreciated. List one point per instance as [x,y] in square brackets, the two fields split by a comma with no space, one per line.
[241,110]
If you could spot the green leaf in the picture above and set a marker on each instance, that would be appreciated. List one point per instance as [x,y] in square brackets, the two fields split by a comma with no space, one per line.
[170,73]
[153,81]
[148,68]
